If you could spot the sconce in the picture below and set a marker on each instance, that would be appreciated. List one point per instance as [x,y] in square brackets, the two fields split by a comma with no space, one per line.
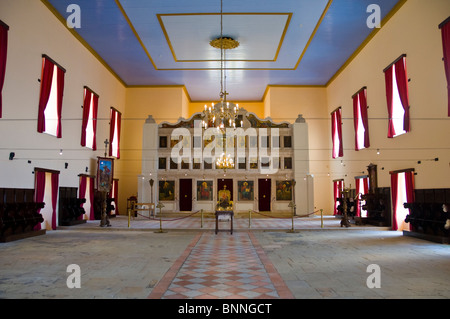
[11,156]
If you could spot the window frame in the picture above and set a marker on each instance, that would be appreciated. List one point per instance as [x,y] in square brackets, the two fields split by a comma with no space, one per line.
[114,132]
[51,102]
[90,118]
[397,96]
[361,120]
[336,133]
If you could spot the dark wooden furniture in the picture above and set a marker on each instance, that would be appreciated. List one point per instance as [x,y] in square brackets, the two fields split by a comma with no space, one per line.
[378,207]
[70,210]
[19,214]
[427,217]
[378,201]
[224,213]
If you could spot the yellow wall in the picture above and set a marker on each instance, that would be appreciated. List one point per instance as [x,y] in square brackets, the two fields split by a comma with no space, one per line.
[164,104]
[412,31]
[284,103]
[34,31]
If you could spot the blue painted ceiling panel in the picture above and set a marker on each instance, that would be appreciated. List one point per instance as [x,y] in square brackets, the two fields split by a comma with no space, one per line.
[144,57]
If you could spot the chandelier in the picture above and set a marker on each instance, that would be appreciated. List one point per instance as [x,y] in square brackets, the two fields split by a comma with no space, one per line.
[223,114]
[224,162]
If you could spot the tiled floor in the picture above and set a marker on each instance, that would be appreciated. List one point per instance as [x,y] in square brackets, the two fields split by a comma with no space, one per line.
[222,267]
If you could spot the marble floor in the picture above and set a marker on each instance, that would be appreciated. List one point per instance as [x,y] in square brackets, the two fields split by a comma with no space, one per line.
[189,261]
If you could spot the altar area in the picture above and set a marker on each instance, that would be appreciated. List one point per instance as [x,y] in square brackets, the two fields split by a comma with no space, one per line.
[270,171]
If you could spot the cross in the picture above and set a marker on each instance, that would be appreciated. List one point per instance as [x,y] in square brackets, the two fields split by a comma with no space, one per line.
[106,145]
[222,94]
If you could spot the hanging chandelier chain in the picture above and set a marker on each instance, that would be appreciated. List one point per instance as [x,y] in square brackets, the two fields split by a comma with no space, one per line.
[222,114]
[222,62]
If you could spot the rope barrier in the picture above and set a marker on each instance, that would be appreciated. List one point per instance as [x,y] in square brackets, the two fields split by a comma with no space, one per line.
[170,220]
[277,217]
[153,218]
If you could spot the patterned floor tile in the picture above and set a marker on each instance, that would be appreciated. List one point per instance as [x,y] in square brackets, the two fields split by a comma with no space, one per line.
[224,266]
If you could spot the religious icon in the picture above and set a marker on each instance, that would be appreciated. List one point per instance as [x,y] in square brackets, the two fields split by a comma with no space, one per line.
[167,190]
[225,202]
[105,171]
[245,190]
[204,190]
[284,190]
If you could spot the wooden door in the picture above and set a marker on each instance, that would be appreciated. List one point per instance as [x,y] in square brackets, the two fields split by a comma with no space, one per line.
[264,193]
[185,195]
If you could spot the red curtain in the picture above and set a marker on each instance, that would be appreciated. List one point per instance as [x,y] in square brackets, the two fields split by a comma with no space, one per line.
[409,180]
[366,185]
[88,96]
[55,188]
[360,110]
[356,114]
[115,124]
[336,129]
[82,191]
[358,203]
[39,191]
[118,124]
[92,198]
[60,86]
[364,116]
[3,56]
[394,187]
[94,121]
[116,195]
[402,84]
[86,111]
[46,85]
[112,127]
[445,29]
[390,105]
[337,189]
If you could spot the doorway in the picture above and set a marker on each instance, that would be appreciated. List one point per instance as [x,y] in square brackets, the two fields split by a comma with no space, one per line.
[264,193]
[185,195]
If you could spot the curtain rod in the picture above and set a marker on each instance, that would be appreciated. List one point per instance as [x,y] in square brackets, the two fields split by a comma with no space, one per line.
[54,62]
[363,88]
[4,25]
[402,171]
[444,23]
[38,169]
[337,109]
[87,87]
[396,60]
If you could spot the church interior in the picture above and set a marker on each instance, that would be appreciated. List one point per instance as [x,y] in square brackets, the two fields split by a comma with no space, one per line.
[127,111]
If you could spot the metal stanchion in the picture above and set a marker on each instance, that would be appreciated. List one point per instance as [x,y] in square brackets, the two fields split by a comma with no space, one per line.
[249,219]
[321,218]
[160,231]
[292,205]
[129,217]
[201,212]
